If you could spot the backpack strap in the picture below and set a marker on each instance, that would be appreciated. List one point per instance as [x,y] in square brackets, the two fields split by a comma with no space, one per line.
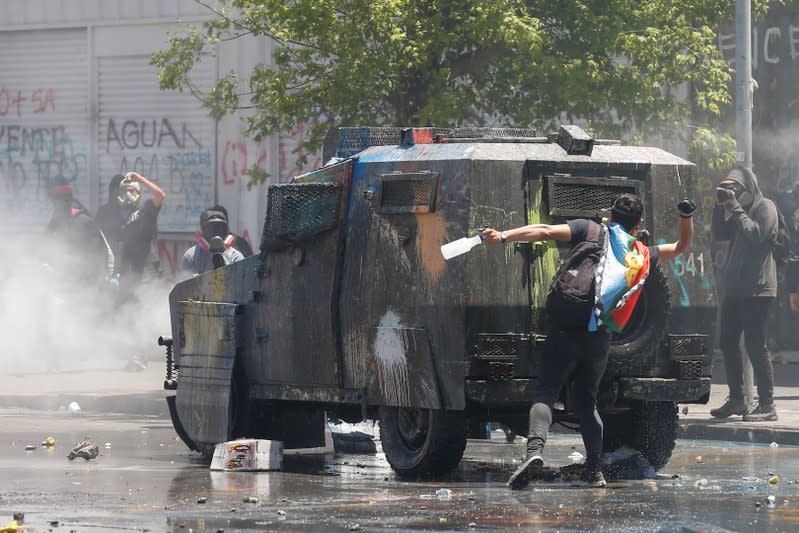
[595,232]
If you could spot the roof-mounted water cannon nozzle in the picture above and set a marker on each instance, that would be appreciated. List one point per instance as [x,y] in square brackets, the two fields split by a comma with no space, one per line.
[575,141]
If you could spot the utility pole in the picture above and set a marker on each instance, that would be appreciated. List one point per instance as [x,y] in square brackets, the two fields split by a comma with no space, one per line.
[743,82]
[744,87]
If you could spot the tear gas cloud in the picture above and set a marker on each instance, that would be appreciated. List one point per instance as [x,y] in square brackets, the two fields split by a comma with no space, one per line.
[51,321]
[781,151]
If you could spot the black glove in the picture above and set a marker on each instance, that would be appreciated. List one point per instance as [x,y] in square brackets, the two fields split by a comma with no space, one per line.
[686,208]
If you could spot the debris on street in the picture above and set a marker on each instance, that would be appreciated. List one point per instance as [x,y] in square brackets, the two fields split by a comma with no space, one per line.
[444,494]
[355,442]
[49,442]
[353,438]
[575,456]
[627,463]
[248,455]
[15,524]
[86,450]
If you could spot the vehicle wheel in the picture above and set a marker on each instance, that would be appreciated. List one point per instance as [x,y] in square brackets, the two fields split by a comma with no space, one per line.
[646,329]
[422,441]
[650,428]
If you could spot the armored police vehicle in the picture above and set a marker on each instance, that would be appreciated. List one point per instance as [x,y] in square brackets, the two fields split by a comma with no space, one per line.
[351,309]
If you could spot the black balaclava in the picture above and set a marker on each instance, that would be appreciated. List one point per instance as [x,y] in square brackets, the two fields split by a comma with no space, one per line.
[744,182]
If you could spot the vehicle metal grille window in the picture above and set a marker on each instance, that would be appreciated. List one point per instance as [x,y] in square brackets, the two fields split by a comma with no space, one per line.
[689,369]
[682,345]
[586,197]
[299,210]
[498,346]
[407,192]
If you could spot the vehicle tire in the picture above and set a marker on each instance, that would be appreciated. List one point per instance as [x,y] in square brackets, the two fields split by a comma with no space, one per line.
[646,329]
[649,427]
[422,441]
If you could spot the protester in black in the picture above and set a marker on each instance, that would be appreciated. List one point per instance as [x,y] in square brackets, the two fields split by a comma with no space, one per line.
[109,215]
[76,247]
[580,353]
[749,221]
[132,226]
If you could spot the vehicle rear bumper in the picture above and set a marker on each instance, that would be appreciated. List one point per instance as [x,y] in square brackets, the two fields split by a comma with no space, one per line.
[665,390]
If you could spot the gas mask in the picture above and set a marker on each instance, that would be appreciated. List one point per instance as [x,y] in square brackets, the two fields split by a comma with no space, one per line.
[216,232]
[129,194]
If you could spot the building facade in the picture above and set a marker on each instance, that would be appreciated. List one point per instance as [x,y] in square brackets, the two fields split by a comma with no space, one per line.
[79,98]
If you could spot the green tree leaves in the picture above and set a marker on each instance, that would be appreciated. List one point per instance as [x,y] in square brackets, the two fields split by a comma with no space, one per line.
[626,66]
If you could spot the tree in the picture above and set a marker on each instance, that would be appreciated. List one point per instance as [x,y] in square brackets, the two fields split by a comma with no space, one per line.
[620,65]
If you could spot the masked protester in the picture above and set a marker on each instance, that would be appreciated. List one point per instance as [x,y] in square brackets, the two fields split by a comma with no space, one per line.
[78,249]
[109,217]
[131,224]
[749,221]
[215,244]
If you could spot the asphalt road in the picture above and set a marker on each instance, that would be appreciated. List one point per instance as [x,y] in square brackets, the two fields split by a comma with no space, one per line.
[146,480]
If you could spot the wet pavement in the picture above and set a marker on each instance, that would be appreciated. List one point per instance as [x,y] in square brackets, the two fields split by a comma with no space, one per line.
[145,479]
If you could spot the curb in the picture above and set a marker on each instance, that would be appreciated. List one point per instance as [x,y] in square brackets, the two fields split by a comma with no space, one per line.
[736,432]
[150,404]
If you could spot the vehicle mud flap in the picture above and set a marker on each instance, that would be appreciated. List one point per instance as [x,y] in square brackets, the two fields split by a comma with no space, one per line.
[203,399]
[405,372]
[178,425]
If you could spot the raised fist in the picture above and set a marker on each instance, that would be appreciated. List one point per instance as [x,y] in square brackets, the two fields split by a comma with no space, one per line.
[686,208]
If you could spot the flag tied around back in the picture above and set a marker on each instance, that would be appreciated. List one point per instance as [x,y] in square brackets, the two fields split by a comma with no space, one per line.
[620,274]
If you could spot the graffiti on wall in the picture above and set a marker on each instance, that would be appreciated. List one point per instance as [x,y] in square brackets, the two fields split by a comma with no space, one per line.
[32,150]
[16,103]
[170,253]
[771,44]
[170,153]
[291,154]
[239,157]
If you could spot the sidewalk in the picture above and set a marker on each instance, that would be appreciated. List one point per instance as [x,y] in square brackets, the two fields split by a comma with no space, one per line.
[101,387]
[698,424]
[110,388]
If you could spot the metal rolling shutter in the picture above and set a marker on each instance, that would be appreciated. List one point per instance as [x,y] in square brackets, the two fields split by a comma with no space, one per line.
[166,136]
[44,121]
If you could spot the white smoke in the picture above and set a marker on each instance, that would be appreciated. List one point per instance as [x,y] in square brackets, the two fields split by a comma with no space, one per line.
[50,322]
[781,150]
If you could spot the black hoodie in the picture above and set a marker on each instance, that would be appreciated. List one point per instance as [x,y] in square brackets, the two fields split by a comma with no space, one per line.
[751,230]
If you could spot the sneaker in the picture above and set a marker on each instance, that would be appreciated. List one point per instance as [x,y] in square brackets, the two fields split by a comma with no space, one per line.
[761,413]
[526,471]
[730,407]
[593,478]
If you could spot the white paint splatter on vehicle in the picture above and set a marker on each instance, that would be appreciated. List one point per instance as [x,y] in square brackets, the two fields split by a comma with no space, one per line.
[390,352]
